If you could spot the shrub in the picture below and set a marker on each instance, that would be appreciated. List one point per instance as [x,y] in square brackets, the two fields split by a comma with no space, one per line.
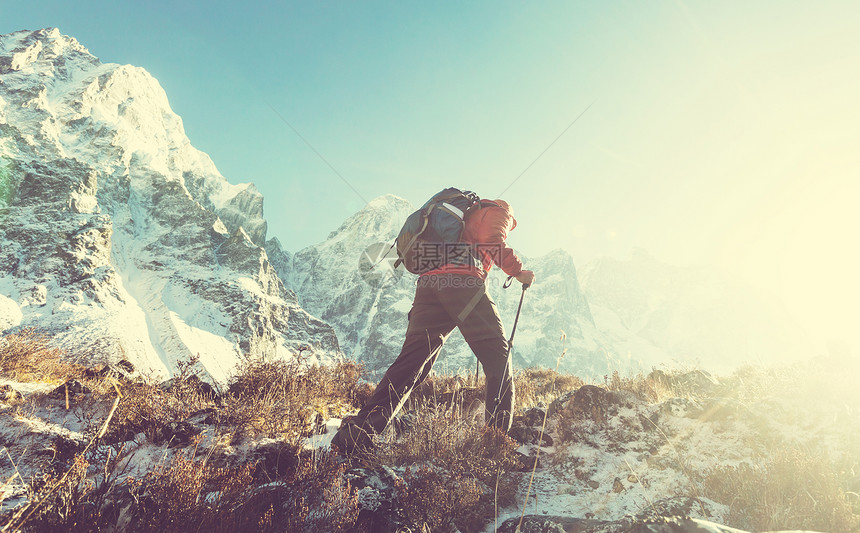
[790,490]
[540,386]
[314,496]
[457,456]
[284,399]
[55,501]
[187,494]
[437,500]
[152,409]
[27,356]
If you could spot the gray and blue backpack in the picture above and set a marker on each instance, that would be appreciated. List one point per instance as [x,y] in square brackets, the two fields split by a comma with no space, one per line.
[432,235]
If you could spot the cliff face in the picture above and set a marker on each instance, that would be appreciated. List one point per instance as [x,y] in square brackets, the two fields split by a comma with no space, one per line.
[116,234]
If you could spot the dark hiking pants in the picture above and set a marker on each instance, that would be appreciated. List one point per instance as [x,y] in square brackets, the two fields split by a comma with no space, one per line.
[443,302]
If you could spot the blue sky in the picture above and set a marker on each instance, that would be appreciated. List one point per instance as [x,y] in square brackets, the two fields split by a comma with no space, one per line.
[722,133]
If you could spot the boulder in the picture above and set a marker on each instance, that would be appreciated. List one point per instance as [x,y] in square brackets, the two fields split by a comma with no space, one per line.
[378,502]
[529,435]
[531,417]
[588,402]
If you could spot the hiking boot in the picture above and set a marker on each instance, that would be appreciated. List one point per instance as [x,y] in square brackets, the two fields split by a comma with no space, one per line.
[352,439]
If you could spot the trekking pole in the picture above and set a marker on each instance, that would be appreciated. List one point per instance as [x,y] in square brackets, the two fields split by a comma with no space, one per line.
[510,340]
[505,285]
[519,308]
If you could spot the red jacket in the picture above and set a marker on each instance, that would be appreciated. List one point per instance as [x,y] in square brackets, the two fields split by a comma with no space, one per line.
[486,230]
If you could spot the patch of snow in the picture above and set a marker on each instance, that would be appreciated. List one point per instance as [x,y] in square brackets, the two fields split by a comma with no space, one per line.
[10,314]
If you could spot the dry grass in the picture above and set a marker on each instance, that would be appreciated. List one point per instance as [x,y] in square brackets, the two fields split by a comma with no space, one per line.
[790,490]
[440,500]
[535,387]
[459,469]
[457,472]
[660,385]
[155,410]
[27,356]
[286,399]
[187,493]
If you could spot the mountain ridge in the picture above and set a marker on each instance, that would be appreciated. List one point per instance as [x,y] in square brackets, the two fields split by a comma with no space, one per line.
[136,244]
[121,237]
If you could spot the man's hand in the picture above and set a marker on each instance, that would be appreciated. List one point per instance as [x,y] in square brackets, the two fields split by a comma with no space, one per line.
[526,277]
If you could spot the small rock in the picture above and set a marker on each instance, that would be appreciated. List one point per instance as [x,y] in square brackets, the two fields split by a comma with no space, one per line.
[547,524]
[522,434]
[527,435]
[649,422]
[533,417]
[681,407]
[114,370]
[177,433]
[8,394]
[126,365]
[529,462]
[379,504]
[203,417]
[617,485]
[723,409]
[675,506]
[556,405]
[274,458]
[38,295]
[593,484]
[74,387]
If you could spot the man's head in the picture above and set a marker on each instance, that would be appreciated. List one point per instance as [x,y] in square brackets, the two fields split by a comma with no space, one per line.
[507,207]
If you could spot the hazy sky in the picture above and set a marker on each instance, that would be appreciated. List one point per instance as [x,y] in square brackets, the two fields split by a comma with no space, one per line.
[720,132]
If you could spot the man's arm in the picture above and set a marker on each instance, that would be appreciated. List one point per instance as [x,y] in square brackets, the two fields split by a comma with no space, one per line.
[526,277]
[496,224]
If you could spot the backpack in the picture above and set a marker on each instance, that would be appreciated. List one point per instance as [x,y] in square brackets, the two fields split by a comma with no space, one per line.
[431,236]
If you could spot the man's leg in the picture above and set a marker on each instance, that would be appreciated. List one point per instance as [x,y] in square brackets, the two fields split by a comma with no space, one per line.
[429,326]
[499,394]
[475,313]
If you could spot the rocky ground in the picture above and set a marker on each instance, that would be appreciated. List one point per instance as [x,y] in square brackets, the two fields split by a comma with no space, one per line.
[762,450]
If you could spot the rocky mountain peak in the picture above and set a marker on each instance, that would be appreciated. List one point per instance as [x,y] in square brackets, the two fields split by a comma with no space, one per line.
[381,218]
[136,244]
[25,50]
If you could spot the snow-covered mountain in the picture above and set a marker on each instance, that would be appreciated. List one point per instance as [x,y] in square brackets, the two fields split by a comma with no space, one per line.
[123,241]
[370,317]
[116,234]
[664,314]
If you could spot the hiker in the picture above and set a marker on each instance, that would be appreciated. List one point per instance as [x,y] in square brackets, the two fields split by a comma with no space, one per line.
[452,293]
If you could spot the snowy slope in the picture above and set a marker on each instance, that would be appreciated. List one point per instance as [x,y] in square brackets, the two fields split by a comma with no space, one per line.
[116,234]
